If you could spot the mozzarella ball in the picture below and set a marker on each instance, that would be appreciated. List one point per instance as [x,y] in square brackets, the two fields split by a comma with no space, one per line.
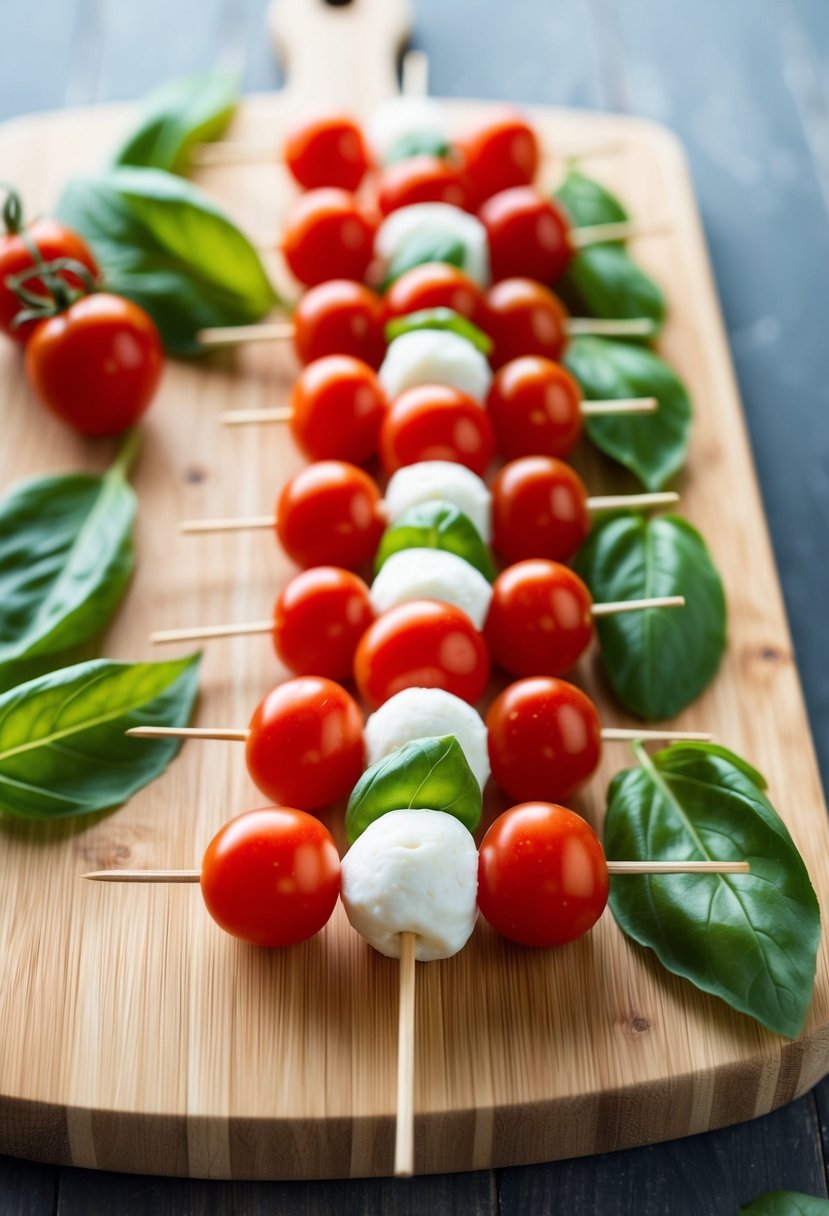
[445,222]
[434,356]
[412,872]
[431,574]
[400,118]
[418,713]
[433,480]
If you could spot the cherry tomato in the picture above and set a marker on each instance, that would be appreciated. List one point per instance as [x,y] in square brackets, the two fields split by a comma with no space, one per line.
[542,875]
[500,153]
[539,509]
[340,317]
[535,407]
[337,405]
[53,241]
[271,877]
[524,318]
[326,150]
[327,236]
[436,422]
[421,644]
[305,743]
[528,235]
[540,619]
[545,739]
[422,179]
[330,512]
[318,619]
[97,365]
[436,285]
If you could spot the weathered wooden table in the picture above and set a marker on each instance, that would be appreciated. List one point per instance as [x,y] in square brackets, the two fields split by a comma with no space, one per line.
[746,87]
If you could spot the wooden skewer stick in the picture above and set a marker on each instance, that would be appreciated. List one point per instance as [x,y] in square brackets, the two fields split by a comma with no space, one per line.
[404,1138]
[610,734]
[657,601]
[609,327]
[144,875]
[610,502]
[622,230]
[283,413]
[414,74]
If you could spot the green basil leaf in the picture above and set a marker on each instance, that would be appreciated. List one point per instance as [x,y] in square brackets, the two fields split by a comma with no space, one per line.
[66,556]
[426,774]
[603,280]
[164,244]
[436,525]
[181,113]
[786,1203]
[440,318]
[418,143]
[660,659]
[63,750]
[423,247]
[652,446]
[750,939]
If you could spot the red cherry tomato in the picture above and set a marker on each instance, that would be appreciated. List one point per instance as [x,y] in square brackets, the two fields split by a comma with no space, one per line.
[327,236]
[340,317]
[535,407]
[53,241]
[421,644]
[542,875]
[436,422]
[539,509]
[436,285]
[326,150]
[97,365]
[318,619]
[422,179]
[528,235]
[524,318]
[337,405]
[501,153]
[330,513]
[271,877]
[305,743]
[540,619]
[545,739]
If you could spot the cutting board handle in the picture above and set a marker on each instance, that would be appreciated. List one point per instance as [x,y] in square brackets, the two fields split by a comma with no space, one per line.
[339,54]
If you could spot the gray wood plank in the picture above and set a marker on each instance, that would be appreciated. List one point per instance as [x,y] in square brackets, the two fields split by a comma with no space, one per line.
[26,1188]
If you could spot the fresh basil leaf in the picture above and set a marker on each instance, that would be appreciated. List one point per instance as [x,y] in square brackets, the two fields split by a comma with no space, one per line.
[418,143]
[750,939]
[66,556]
[440,318]
[603,280]
[786,1203]
[426,774]
[423,247]
[63,750]
[660,659]
[652,446]
[164,244]
[181,113]
[436,525]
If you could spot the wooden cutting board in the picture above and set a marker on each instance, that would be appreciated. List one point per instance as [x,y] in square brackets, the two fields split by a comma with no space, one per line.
[135,1035]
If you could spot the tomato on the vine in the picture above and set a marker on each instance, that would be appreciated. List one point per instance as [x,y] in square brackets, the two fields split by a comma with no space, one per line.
[271,877]
[337,405]
[529,235]
[436,422]
[540,620]
[524,318]
[340,317]
[318,619]
[535,407]
[327,235]
[330,513]
[539,509]
[500,153]
[326,150]
[422,179]
[436,285]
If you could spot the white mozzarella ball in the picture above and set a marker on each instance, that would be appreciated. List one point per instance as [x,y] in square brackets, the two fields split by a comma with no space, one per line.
[433,480]
[432,574]
[418,713]
[412,872]
[444,221]
[434,356]
[400,118]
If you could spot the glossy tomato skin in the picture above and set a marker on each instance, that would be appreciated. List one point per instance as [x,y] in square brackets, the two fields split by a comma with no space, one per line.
[337,405]
[540,620]
[436,422]
[528,235]
[545,739]
[326,150]
[535,407]
[422,179]
[542,875]
[500,153]
[330,513]
[54,241]
[524,318]
[318,619]
[305,743]
[340,317]
[421,644]
[539,509]
[327,236]
[271,877]
[97,365]
[436,285]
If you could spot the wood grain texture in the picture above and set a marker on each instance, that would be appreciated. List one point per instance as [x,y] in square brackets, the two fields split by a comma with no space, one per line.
[179,1051]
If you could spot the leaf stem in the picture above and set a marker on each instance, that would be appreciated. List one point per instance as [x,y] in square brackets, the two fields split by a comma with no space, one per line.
[127,453]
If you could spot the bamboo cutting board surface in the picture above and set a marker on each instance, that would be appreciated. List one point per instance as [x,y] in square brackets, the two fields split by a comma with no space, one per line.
[135,1035]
